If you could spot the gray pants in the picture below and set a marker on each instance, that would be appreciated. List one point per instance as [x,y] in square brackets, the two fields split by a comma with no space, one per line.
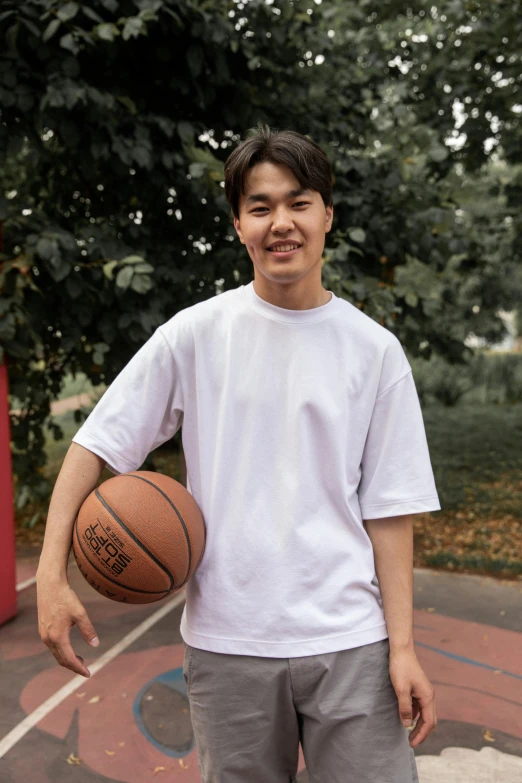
[249,714]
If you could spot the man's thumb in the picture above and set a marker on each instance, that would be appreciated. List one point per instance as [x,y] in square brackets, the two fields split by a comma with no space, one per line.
[405,712]
[88,632]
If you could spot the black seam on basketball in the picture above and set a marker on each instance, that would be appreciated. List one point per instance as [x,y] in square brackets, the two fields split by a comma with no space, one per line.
[103,573]
[147,481]
[136,540]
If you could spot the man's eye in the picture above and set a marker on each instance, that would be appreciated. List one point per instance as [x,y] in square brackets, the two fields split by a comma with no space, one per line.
[297,204]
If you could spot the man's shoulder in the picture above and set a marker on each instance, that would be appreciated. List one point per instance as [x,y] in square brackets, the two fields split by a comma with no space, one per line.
[201,313]
[365,328]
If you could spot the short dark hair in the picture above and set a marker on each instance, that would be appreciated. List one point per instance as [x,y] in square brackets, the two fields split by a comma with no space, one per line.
[303,156]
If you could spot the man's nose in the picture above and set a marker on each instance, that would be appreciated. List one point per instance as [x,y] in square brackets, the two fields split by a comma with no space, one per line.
[283,221]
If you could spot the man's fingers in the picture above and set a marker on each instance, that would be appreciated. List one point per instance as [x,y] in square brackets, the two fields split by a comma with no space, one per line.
[67,658]
[425,724]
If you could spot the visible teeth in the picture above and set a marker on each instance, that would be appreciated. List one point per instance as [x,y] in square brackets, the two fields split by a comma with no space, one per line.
[283,248]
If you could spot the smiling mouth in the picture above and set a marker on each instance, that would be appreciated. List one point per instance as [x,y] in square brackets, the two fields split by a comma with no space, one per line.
[281,250]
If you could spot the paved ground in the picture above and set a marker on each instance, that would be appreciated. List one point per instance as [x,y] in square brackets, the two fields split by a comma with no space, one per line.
[131,722]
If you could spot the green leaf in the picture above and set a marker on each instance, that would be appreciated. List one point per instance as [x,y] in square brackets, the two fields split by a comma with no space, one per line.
[58,267]
[148,6]
[34,520]
[143,268]
[133,28]
[106,31]
[124,277]
[50,30]
[67,12]
[22,497]
[132,260]
[197,170]
[142,283]
[67,42]
[32,27]
[438,153]
[174,15]
[357,234]
[128,102]
[186,132]
[125,320]
[148,15]
[46,248]
[142,156]
[10,38]
[200,155]
[108,269]
[92,14]
[411,299]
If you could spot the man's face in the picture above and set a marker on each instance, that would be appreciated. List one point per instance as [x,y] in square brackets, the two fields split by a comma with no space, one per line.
[275,211]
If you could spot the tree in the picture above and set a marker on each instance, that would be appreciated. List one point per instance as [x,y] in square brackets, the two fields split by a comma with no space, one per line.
[116,119]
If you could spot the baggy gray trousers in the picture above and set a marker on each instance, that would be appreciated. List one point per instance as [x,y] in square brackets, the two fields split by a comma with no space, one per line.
[250,713]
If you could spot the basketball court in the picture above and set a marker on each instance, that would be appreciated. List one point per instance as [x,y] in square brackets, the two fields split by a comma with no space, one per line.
[131,722]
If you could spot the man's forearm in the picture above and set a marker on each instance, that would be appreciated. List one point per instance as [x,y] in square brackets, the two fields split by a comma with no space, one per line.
[392,541]
[79,474]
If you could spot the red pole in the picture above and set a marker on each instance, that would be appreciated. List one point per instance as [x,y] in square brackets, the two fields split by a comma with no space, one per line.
[7,529]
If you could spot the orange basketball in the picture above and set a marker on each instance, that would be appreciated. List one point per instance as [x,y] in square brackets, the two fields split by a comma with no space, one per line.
[138,537]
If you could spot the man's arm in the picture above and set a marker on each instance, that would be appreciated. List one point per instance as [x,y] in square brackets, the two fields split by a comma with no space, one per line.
[59,608]
[392,541]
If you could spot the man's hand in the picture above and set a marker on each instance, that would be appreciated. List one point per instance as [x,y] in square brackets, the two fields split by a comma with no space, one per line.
[59,608]
[415,694]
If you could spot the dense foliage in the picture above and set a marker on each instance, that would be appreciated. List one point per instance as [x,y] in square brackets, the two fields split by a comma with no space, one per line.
[116,119]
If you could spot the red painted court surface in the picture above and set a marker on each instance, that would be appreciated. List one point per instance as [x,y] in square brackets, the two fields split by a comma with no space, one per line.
[131,720]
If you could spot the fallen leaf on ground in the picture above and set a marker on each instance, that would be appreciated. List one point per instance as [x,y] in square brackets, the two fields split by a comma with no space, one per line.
[159,769]
[81,695]
[72,759]
[94,700]
[121,744]
[183,765]
[488,736]
[110,752]
[431,609]
[503,612]
[498,671]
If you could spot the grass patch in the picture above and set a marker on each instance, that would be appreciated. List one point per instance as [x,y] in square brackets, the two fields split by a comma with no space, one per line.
[477,462]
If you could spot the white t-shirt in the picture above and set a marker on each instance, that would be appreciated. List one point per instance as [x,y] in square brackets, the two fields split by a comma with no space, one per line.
[297,425]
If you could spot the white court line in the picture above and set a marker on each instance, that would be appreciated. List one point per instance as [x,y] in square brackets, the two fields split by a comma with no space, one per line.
[26,583]
[34,717]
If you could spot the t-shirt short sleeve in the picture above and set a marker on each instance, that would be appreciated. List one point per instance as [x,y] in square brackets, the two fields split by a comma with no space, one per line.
[396,472]
[141,409]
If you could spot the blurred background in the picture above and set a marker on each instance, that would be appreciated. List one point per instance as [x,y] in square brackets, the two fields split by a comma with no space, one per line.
[115,122]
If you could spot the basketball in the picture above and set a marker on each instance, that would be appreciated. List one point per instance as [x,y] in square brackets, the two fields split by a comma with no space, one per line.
[138,537]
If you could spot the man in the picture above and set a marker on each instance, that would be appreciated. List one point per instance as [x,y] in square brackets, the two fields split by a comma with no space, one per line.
[306,452]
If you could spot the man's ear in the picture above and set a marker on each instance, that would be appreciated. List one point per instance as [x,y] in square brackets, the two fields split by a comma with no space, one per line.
[329,218]
[238,229]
